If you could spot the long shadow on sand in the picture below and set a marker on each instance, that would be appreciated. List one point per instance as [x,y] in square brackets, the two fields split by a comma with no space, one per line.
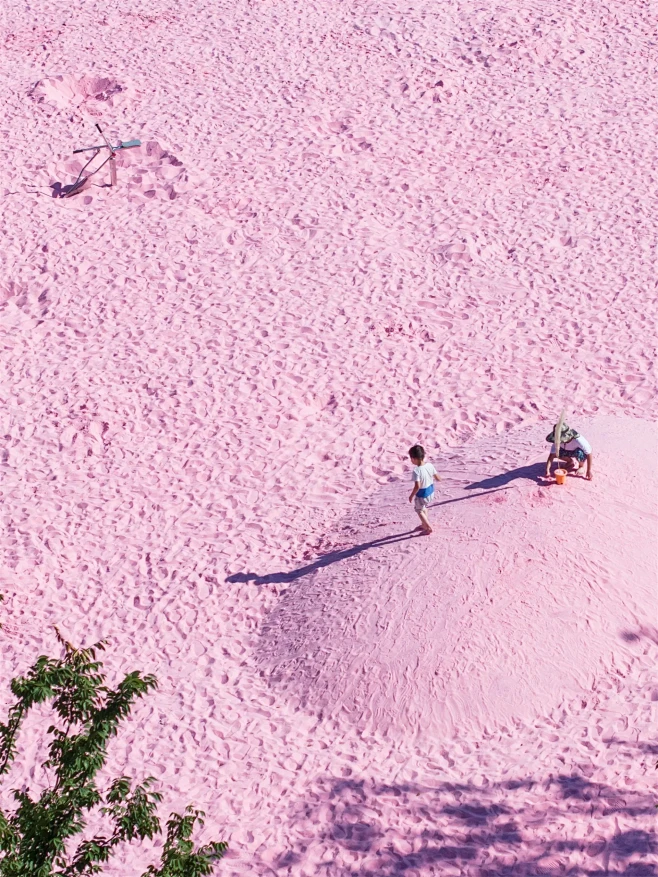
[528,473]
[471,496]
[519,828]
[345,553]
[325,560]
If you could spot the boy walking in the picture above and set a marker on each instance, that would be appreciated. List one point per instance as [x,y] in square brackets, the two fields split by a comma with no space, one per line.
[423,476]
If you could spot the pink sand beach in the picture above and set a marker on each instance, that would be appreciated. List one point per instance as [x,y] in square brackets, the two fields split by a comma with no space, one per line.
[348,228]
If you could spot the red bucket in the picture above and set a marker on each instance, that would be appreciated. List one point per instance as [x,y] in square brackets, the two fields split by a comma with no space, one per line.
[560,476]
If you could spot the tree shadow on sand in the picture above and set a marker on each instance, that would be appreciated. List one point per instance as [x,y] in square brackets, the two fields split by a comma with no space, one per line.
[521,828]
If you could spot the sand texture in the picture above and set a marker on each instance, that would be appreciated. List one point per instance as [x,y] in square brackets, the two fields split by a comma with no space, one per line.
[349,228]
[423,637]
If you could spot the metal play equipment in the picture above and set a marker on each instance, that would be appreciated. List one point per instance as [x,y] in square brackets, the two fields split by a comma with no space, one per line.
[111,158]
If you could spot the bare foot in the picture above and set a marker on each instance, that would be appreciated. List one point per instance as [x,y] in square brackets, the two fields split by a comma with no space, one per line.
[427,531]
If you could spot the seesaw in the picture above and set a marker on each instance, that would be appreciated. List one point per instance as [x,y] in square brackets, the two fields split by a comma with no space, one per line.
[82,180]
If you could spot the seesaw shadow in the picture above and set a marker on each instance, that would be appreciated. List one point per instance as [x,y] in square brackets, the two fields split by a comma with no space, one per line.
[68,190]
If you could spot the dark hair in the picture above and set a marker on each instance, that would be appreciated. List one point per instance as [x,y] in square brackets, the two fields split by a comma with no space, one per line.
[417,452]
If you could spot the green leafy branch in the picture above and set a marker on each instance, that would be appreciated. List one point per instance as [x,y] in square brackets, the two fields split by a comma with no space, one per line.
[35,837]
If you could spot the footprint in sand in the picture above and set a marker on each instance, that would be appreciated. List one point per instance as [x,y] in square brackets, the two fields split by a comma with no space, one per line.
[94,93]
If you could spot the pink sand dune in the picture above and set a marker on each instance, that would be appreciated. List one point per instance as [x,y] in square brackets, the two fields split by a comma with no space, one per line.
[526,595]
[350,227]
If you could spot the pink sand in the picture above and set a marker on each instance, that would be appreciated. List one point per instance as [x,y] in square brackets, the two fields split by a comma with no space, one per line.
[349,228]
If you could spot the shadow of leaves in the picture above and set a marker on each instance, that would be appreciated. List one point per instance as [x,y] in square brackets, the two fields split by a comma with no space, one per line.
[520,828]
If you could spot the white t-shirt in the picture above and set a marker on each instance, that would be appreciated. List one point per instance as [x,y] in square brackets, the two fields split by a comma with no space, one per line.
[424,475]
[578,442]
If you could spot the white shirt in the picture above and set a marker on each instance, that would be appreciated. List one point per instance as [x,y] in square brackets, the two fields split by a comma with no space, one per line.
[423,475]
[579,442]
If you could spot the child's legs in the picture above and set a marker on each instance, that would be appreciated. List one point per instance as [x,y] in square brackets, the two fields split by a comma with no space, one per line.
[425,521]
[420,505]
[575,460]
[565,460]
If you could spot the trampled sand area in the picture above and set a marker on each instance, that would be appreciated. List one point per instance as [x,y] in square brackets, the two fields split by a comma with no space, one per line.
[349,227]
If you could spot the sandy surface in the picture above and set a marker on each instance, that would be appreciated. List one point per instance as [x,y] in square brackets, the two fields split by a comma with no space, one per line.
[349,228]
[509,605]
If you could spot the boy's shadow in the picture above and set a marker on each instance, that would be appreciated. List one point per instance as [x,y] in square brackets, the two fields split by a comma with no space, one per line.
[276,578]
[488,485]
[529,473]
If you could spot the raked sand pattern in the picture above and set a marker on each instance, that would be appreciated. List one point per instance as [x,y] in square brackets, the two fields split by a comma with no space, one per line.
[349,228]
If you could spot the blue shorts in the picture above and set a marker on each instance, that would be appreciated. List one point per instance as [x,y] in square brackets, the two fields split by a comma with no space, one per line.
[423,498]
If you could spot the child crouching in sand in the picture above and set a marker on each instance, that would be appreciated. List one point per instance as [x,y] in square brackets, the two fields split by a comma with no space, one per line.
[573,448]
[423,476]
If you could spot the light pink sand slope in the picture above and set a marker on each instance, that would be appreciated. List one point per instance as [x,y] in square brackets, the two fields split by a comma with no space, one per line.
[391,223]
[525,595]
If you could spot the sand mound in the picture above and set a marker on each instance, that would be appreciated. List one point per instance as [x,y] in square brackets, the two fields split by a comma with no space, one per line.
[523,596]
[422,222]
[147,172]
[66,90]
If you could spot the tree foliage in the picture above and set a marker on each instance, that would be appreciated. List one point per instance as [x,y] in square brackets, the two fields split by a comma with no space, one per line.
[36,838]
